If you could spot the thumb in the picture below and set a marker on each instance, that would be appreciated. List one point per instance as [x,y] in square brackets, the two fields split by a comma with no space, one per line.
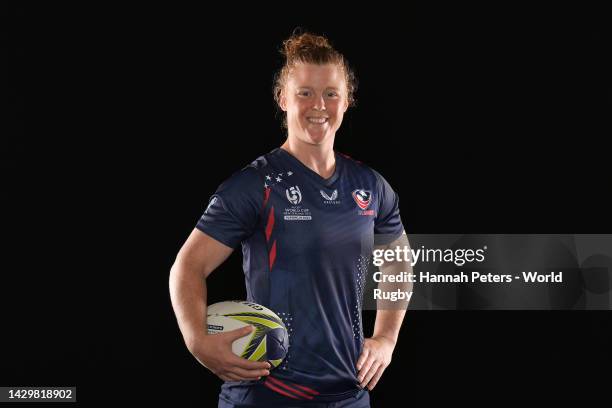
[241,332]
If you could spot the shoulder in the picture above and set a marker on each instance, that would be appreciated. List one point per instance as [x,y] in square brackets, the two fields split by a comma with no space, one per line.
[249,177]
[361,168]
[373,178]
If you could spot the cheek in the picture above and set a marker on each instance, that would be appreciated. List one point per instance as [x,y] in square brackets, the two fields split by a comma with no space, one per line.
[301,111]
[335,105]
[337,110]
[297,108]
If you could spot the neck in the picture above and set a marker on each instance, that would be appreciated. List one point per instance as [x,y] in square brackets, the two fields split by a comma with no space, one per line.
[319,158]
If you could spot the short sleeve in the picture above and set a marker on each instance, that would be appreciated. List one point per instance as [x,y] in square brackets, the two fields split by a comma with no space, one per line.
[388,221]
[233,211]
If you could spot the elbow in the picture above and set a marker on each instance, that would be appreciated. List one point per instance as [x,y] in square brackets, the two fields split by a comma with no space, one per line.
[174,277]
[183,269]
[176,269]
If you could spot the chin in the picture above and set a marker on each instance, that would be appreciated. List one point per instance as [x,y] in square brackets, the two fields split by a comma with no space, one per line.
[315,139]
[318,136]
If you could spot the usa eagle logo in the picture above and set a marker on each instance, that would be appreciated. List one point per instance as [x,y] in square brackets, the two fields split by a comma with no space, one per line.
[362,198]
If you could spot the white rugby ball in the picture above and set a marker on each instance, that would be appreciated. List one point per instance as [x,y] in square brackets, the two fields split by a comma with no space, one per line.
[269,341]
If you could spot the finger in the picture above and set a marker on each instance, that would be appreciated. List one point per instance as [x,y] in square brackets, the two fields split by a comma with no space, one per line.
[368,376]
[224,377]
[250,374]
[365,368]
[247,364]
[231,377]
[238,333]
[376,377]
[362,358]
[235,377]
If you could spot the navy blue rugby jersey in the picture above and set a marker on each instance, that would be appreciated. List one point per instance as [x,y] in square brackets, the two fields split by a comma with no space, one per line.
[305,243]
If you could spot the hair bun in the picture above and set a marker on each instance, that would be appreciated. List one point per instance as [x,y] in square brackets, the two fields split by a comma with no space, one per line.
[298,45]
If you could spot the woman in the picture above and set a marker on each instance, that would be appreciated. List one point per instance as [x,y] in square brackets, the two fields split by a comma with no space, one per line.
[306,218]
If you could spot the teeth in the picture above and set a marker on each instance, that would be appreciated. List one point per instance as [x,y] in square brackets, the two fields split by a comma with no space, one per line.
[317,120]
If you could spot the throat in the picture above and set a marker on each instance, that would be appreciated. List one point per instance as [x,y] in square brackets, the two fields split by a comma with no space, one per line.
[320,161]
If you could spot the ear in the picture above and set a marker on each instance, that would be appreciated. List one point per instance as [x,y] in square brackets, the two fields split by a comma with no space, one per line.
[346,105]
[282,101]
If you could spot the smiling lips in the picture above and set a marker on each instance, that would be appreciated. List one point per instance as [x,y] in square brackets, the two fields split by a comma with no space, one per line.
[317,120]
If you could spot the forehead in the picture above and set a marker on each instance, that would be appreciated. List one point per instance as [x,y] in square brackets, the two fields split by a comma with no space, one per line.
[316,76]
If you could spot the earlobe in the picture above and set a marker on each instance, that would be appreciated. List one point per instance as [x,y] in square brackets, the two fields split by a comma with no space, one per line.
[282,102]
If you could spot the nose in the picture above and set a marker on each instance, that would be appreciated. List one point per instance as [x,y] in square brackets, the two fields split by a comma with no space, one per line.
[319,103]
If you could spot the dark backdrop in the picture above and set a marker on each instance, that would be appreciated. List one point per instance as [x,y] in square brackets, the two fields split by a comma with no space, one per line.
[484,120]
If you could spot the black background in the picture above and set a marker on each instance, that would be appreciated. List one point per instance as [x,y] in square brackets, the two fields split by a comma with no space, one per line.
[484,120]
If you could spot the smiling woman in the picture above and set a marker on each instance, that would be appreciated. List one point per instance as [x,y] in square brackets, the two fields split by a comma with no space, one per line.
[302,214]
[332,81]
[314,88]
[315,100]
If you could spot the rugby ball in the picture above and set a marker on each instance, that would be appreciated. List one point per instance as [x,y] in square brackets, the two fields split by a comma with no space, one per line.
[269,341]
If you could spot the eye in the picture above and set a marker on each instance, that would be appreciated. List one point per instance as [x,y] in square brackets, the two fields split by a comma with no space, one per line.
[304,93]
[332,94]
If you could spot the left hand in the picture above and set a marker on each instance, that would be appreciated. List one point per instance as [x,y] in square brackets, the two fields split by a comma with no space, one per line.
[373,361]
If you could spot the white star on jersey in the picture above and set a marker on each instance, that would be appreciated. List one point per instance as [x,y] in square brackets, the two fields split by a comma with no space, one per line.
[289,173]
[278,179]
[268,177]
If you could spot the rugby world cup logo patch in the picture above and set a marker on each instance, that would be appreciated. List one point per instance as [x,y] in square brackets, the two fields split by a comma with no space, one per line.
[294,195]
[363,198]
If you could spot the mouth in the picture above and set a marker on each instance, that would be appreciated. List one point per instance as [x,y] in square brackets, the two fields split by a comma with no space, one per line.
[317,120]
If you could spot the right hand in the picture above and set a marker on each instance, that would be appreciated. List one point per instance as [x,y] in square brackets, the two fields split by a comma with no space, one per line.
[214,351]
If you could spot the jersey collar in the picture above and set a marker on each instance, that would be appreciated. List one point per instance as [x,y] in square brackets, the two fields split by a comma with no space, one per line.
[309,172]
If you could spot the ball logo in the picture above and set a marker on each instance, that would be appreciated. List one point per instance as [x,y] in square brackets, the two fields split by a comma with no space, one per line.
[253,305]
[362,198]
[294,195]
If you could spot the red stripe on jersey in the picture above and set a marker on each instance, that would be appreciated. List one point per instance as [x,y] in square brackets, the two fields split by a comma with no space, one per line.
[272,255]
[310,390]
[270,224]
[266,195]
[275,388]
[288,388]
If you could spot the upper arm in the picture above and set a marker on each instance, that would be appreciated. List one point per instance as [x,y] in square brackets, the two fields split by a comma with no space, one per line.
[401,241]
[231,216]
[388,221]
[203,253]
[233,212]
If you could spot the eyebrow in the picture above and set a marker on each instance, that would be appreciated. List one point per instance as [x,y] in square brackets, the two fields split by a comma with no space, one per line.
[308,87]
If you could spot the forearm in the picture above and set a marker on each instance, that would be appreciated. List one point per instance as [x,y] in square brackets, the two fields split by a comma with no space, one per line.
[388,324]
[188,295]
[390,314]
[378,350]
